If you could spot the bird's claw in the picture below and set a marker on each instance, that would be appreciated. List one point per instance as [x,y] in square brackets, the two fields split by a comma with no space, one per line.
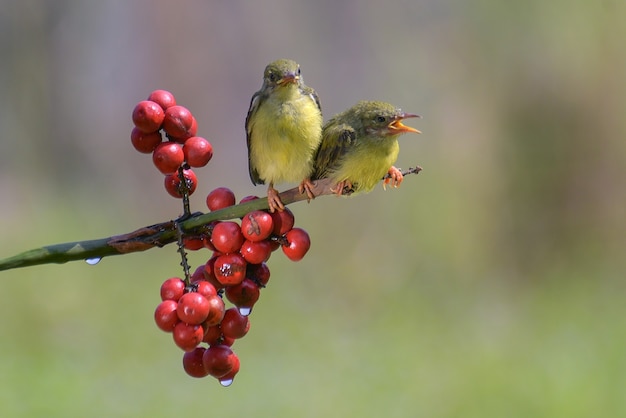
[394,178]
[307,187]
[343,187]
[273,200]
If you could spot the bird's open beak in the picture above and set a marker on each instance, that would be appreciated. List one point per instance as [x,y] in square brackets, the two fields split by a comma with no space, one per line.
[289,78]
[396,126]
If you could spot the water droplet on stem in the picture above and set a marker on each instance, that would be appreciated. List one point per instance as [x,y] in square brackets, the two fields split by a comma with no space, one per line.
[93,261]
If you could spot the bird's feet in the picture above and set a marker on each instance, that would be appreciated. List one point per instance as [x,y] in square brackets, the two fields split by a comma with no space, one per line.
[273,200]
[394,178]
[343,187]
[307,187]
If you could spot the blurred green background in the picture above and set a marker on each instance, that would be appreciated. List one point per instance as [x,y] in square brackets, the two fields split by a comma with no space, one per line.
[490,285]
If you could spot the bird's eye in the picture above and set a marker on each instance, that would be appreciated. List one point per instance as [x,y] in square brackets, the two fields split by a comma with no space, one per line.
[298,70]
[380,119]
[273,77]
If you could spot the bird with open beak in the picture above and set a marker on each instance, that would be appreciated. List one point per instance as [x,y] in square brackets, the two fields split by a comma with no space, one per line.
[360,146]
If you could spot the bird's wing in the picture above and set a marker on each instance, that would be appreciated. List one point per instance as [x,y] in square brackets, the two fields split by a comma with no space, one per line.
[337,142]
[308,90]
[254,105]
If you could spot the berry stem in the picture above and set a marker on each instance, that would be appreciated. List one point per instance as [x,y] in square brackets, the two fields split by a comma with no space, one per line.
[184,191]
[157,235]
[183,254]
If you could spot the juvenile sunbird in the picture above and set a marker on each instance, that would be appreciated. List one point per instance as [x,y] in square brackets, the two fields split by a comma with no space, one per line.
[360,145]
[284,130]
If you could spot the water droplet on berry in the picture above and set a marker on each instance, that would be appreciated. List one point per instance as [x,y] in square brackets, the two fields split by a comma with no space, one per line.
[93,261]
[226,382]
[244,311]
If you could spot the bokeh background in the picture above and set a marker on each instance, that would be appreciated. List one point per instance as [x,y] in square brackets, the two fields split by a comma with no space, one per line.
[492,284]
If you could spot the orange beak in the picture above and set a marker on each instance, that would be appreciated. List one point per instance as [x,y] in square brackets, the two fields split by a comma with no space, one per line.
[397,127]
[289,78]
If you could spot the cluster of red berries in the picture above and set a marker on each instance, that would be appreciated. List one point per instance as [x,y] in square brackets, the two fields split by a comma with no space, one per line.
[183,149]
[193,308]
[195,312]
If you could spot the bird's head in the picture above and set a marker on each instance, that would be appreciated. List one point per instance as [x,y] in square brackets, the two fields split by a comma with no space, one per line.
[282,73]
[381,119]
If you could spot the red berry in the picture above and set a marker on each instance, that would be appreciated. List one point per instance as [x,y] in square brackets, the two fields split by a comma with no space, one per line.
[298,244]
[259,273]
[198,151]
[193,243]
[178,121]
[172,289]
[228,378]
[193,364]
[218,360]
[283,221]
[274,245]
[145,142]
[190,133]
[212,335]
[165,315]
[173,185]
[206,237]
[209,273]
[193,308]
[248,198]
[205,288]
[168,156]
[207,242]
[227,340]
[220,198]
[216,311]
[234,324]
[194,127]
[226,237]
[148,116]
[187,336]
[257,225]
[164,98]
[256,252]
[198,274]
[243,295]
[230,269]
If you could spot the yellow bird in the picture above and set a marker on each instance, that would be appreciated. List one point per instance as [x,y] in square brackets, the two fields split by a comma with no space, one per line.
[284,130]
[360,145]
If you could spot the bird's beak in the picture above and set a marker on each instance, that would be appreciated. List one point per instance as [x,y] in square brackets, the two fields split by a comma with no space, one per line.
[289,78]
[397,127]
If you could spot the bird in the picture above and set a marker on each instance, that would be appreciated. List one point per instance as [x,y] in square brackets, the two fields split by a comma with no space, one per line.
[283,131]
[360,146]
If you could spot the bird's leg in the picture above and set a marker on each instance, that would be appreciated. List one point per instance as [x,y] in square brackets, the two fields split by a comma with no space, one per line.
[307,186]
[394,178]
[341,186]
[273,200]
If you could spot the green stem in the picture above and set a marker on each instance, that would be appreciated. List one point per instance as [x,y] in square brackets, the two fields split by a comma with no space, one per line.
[144,238]
[148,237]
